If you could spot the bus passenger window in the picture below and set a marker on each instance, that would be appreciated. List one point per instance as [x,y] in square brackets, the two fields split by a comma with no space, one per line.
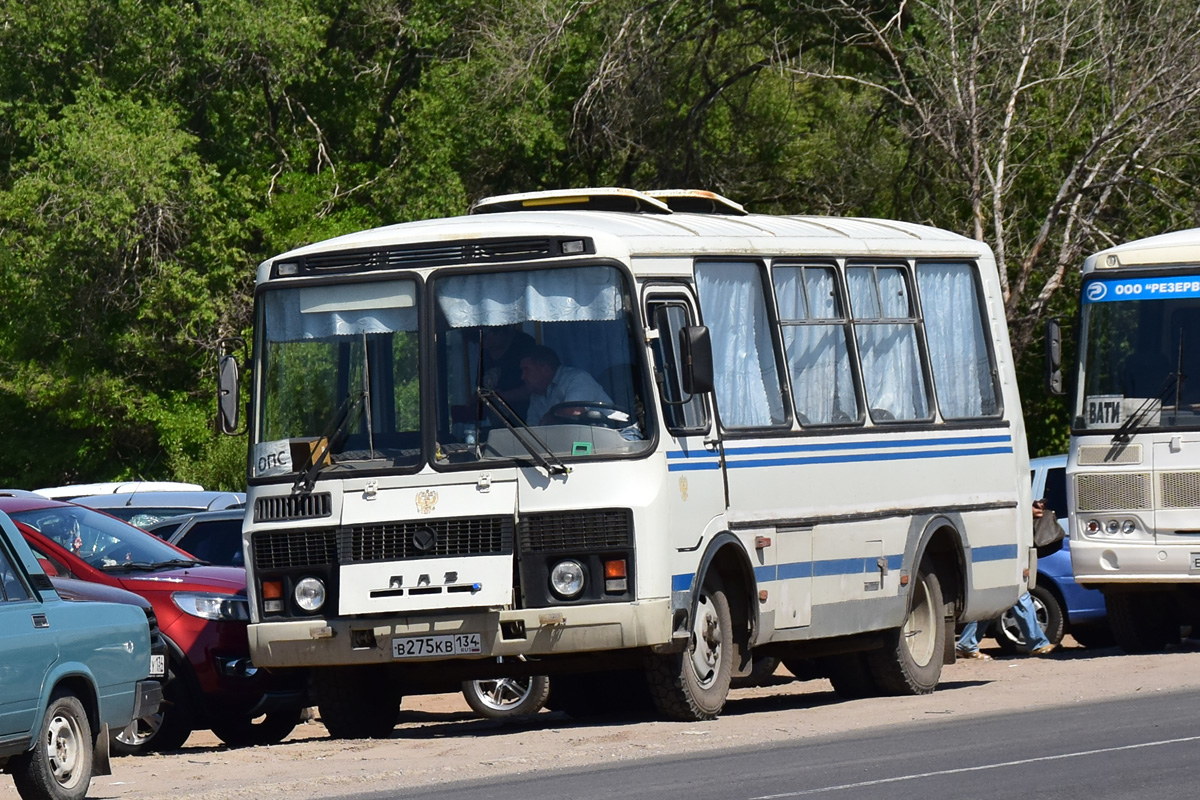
[886,331]
[748,390]
[963,373]
[816,343]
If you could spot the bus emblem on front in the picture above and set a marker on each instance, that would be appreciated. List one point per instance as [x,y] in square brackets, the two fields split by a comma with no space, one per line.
[426,500]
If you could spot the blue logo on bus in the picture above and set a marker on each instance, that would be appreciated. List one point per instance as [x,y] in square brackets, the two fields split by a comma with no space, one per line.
[1096,291]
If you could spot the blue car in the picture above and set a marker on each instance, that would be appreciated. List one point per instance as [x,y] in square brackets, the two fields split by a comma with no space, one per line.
[1063,606]
[71,672]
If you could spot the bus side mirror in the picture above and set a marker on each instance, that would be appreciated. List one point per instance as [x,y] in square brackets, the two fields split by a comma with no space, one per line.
[695,350]
[228,386]
[1054,378]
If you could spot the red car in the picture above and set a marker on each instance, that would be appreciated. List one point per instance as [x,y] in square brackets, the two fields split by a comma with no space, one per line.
[201,610]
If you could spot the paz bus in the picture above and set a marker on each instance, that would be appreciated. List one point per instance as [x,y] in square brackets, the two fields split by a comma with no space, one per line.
[721,437]
[1133,470]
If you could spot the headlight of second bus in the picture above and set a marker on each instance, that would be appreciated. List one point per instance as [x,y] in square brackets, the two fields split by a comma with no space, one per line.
[309,594]
[566,579]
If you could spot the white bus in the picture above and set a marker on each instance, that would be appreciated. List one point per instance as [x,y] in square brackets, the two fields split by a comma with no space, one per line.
[1134,465]
[631,441]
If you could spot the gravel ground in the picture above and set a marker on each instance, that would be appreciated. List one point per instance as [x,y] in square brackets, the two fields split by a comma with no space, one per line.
[438,739]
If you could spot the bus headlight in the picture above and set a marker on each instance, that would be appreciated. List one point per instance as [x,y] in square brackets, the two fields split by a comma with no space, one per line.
[1093,526]
[309,594]
[1128,527]
[1113,527]
[566,579]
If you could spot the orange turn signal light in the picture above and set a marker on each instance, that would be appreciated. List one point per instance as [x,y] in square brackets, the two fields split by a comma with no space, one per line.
[272,590]
[614,569]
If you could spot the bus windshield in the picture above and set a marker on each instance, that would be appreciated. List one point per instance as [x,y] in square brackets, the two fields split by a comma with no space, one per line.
[535,364]
[339,378]
[1140,354]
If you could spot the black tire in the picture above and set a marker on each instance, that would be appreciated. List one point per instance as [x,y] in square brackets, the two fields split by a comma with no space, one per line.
[600,694]
[910,662]
[505,698]
[762,669]
[176,719]
[1093,634]
[59,767]
[270,728]
[804,669]
[356,702]
[1141,622]
[692,685]
[850,675]
[1050,617]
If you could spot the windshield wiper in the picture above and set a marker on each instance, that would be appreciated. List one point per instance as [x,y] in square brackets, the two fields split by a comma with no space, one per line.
[147,566]
[1132,426]
[340,421]
[500,407]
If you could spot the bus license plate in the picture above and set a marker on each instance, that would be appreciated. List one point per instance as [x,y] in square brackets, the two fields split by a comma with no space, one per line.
[458,644]
[158,666]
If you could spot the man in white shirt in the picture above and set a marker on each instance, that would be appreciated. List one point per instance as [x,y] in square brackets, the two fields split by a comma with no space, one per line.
[551,383]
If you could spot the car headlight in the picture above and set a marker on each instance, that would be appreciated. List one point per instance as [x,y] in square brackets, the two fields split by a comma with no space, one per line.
[221,607]
[566,579]
[310,594]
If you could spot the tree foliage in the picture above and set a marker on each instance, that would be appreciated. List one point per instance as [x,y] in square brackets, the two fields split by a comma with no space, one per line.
[153,151]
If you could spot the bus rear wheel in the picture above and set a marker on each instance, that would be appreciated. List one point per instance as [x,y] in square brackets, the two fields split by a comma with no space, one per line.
[910,662]
[692,685]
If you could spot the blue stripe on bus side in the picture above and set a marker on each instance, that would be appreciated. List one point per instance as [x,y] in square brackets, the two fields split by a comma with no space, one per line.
[711,461]
[806,569]
[868,445]
[994,552]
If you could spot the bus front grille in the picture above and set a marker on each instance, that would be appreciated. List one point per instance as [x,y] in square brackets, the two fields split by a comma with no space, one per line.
[1113,491]
[1091,455]
[298,548]
[1180,489]
[292,506]
[593,529]
[435,538]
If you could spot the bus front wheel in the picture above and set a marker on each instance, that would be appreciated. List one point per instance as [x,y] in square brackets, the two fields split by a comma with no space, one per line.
[910,662]
[692,685]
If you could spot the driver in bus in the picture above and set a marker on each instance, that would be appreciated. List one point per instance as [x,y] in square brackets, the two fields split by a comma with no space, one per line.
[550,383]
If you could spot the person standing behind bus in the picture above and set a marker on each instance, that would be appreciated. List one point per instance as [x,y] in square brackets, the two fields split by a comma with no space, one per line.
[1025,614]
[551,383]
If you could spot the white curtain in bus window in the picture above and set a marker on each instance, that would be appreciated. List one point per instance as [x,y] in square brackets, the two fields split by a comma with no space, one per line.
[551,295]
[734,309]
[814,338]
[958,353]
[887,343]
[345,310]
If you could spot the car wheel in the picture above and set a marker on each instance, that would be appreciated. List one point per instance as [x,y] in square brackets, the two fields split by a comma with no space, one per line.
[1049,613]
[246,731]
[59,767]
[176,719]
[503,698]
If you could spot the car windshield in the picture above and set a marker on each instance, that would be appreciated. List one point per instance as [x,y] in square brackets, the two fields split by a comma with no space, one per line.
[1140,364]
[536,364]
[338,378]
[98,539]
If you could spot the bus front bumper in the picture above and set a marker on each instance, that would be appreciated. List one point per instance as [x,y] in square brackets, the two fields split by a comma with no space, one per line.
[1125,563]
[524,632]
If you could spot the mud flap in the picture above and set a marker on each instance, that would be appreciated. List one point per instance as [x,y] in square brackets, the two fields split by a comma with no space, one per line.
[100,761]
[948,654]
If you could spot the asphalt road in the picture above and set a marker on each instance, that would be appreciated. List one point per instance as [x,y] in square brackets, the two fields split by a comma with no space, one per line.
[1143,747]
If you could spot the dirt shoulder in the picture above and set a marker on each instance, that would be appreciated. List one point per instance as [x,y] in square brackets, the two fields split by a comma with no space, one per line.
[439,740]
